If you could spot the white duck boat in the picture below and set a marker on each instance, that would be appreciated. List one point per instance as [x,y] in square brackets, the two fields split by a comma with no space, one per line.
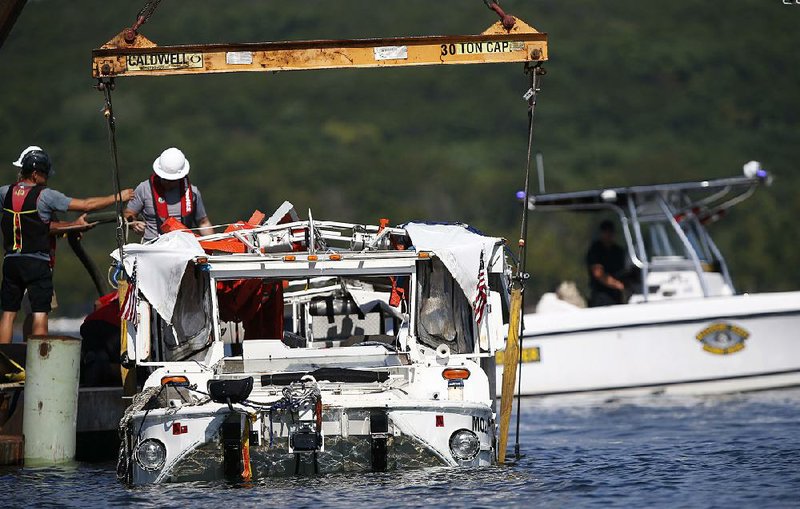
[685,330]
[361,350]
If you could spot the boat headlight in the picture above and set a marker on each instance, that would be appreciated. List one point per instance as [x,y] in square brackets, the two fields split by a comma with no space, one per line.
[464,445]
[151,454]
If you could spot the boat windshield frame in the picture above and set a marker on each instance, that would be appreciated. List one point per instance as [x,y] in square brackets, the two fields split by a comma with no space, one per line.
[387,263]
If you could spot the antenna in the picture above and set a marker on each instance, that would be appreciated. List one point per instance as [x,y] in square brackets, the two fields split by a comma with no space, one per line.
[540,171]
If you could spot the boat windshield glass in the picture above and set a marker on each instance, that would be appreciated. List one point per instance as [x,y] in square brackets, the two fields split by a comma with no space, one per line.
[663,244]
[698,239]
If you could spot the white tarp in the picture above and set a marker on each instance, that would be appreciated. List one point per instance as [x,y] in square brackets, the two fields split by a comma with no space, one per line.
[459,250]
[160,266]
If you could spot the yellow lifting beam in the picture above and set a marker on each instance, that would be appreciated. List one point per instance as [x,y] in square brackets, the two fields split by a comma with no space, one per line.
[142,57]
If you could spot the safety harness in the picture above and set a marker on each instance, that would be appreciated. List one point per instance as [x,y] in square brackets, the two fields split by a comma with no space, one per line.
[24,231]
[188,203]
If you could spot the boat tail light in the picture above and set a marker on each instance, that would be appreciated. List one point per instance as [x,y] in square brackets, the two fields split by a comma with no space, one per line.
[313,258]
[335,257]
[289,258]
[180,381]
[455,374]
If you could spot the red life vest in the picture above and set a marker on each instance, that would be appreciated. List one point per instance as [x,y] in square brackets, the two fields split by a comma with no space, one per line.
[188,203]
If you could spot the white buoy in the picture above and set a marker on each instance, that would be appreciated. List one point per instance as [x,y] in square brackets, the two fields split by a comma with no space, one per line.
[50,412]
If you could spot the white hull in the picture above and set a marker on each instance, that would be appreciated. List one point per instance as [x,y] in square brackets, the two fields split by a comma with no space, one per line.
[654,348]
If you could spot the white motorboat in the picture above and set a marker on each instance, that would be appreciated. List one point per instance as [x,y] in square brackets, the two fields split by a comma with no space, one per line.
[683,329]
[361,350]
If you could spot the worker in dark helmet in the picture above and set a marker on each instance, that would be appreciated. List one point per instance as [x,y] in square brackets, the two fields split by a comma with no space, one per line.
[605,261]
[27,214]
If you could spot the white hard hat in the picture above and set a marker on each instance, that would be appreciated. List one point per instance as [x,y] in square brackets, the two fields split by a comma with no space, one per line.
[18,162]
[171,164]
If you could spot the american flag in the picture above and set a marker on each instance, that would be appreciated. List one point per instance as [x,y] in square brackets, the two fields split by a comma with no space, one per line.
[131,301]
[480,301]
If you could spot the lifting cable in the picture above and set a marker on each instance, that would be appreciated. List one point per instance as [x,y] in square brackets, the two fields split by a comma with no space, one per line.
[508,20]
[535,73]
[141,18]
[105,86]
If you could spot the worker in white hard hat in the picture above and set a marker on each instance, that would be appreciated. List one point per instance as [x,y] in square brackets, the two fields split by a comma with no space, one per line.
[167,194]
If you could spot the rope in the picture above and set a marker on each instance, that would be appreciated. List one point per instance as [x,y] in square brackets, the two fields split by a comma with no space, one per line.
[534,72]
[108,113]
[124,458]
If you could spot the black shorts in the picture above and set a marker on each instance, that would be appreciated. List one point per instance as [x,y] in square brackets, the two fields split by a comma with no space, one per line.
[22,273]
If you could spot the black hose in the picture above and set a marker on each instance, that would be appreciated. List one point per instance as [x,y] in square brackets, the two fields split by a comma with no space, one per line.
[101,217]
[74,241]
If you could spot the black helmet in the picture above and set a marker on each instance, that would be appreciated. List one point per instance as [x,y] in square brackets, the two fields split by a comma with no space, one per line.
[36,160]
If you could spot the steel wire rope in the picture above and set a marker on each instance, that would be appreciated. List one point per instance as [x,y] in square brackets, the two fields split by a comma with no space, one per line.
[534,71]
[108,113]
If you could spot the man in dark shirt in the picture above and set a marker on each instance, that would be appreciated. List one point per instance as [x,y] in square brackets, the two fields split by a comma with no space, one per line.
[605,261]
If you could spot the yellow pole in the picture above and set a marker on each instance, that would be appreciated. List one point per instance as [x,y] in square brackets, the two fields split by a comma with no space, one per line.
[510,361]
[128,376]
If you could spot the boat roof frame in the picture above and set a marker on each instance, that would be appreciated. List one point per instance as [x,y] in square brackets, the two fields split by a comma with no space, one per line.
[583,200]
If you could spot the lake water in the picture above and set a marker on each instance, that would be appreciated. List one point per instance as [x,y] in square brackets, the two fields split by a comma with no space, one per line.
[724,451]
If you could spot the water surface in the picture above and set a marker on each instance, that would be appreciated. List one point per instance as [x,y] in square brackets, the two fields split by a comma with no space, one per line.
[725,451]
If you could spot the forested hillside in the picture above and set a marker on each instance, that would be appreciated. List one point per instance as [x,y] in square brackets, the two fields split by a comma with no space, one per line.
[636,92]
